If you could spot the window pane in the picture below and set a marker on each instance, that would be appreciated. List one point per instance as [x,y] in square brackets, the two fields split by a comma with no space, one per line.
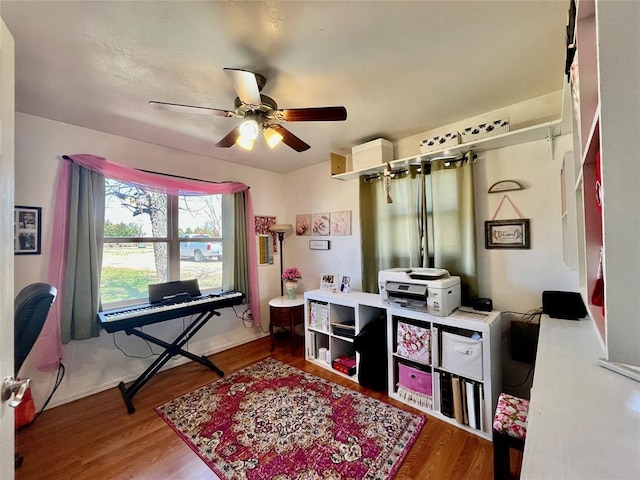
[200,229]
[131,212]
[208,272]
[200,215]
[128,268]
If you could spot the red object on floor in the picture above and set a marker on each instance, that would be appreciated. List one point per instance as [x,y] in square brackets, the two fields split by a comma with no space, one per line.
[26,411]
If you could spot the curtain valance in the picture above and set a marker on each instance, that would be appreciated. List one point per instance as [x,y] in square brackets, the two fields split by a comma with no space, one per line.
[156,182]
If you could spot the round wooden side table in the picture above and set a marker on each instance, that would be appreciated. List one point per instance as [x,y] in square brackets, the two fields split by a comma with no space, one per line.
[286,312]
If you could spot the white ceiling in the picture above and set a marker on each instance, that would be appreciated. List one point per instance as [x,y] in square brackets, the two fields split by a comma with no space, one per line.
[400,68]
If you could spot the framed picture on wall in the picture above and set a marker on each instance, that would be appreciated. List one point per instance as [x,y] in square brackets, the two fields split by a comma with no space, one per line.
[319,244]
[27,229]
[265,249]
[507,233]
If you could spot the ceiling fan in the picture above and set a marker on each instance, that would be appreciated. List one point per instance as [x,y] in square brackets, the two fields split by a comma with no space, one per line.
[260,114]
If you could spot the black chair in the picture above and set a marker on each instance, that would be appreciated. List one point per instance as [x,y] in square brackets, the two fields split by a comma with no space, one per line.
[31,308]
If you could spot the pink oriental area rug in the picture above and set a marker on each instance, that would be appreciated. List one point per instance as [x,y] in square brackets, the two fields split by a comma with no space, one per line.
[273,421]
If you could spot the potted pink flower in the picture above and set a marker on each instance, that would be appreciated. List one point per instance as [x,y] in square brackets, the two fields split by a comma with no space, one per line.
[290,277]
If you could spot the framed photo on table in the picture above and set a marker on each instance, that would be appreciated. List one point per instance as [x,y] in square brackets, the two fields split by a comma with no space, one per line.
[27,230]
[328,281]
[345,284]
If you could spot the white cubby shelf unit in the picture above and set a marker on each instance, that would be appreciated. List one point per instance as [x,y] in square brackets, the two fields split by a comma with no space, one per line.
[479,383]
[353,310]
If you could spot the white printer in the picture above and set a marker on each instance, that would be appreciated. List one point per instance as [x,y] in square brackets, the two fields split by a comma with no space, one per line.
[430,290]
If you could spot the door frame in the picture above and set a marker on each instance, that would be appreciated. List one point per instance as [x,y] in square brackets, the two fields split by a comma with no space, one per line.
[7,153]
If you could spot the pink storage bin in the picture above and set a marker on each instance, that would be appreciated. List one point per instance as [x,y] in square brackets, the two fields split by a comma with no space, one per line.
[415,379]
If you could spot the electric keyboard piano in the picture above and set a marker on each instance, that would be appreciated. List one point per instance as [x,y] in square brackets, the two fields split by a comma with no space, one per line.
[147,313]
[131,318]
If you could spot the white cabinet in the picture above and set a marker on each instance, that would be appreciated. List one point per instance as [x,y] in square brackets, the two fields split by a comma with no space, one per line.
[606,122]
[460,377]
[331,322]
[463,347]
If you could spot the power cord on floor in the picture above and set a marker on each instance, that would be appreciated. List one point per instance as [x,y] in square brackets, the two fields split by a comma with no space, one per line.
[59,377]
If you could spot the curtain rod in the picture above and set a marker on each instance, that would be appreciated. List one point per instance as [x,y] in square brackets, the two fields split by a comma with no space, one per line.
[67,157]
[183,177]
[469,155]
[424,163]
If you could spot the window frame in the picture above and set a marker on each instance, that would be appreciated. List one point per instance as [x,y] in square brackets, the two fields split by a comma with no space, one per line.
[172,240]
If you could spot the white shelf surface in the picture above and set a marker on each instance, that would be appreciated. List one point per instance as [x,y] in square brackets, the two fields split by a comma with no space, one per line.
[584,420]
[522,135]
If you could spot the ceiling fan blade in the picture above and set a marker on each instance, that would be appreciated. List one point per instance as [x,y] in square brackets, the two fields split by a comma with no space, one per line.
[315,114]
[229,139]
[177,107]
[245,85]
[290,139]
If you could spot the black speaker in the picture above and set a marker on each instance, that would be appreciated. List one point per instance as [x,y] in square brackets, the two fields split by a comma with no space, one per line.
[483,304]
[565,305]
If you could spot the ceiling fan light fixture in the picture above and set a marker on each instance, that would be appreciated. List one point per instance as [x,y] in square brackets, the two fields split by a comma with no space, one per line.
[257,111]
[244,142]
[272,137]
[249,130]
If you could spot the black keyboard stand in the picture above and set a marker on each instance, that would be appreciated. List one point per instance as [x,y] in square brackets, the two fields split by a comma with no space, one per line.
[170,351]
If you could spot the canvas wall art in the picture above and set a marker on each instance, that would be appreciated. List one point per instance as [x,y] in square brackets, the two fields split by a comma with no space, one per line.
[303,224]
[341,223]
[321,224]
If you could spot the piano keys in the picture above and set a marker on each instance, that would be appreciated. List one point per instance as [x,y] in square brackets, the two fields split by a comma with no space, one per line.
[147,313]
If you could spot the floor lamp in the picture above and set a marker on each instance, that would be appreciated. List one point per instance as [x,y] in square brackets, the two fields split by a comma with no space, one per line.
[281,229]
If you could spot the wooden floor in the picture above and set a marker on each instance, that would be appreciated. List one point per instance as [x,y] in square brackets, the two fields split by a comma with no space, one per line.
[95,437]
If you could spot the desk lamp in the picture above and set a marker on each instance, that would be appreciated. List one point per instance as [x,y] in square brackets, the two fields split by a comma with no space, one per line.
[281,229]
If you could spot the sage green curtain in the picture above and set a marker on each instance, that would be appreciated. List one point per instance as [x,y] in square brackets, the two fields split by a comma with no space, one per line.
[235,269]
[392,233]
[81,299]
[454,222]
[431,223]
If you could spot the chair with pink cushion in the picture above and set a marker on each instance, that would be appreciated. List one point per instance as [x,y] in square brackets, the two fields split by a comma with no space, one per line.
[509,431]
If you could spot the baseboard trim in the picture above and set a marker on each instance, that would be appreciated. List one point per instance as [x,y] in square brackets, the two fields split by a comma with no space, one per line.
[176,362]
